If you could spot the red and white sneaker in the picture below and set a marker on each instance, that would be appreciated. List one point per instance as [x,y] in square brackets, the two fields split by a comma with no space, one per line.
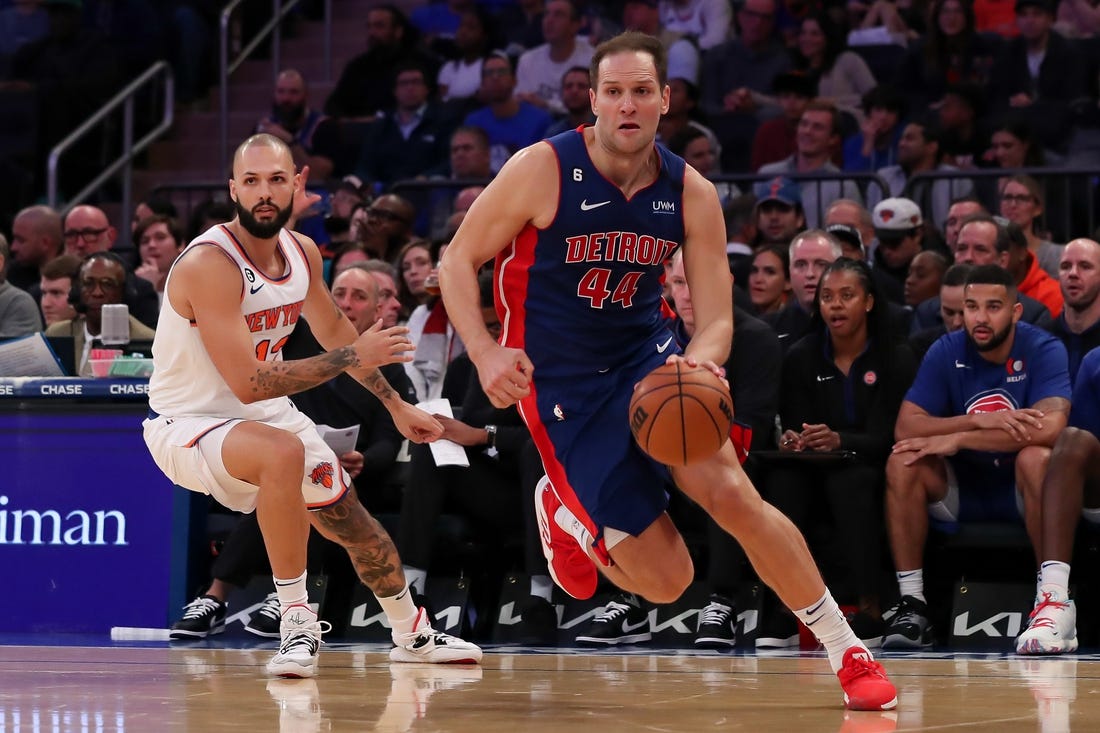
[864,681]
[570,566]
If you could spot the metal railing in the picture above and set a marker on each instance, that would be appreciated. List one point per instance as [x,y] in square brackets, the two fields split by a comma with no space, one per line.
[279,10]
[130,148]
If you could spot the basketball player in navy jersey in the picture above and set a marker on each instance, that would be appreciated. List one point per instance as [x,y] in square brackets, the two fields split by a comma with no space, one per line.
[580,226]
[221,423]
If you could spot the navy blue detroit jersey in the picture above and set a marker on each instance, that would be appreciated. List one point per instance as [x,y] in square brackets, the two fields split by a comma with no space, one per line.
[584,294]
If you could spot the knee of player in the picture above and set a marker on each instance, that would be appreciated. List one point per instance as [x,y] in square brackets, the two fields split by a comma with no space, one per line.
[286,455]
[1032,460]
[1076,446]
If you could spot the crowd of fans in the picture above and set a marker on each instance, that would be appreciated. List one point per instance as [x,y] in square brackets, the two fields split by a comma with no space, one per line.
[868,158]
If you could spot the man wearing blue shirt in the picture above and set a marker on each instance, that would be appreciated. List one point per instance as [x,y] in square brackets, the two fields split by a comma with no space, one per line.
[974,435]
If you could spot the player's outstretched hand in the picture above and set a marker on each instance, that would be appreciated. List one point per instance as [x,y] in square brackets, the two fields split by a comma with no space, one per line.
[378,346]
[415,424]
[505,375]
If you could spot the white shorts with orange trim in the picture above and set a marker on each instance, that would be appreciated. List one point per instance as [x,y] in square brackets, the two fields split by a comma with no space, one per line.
[189,451]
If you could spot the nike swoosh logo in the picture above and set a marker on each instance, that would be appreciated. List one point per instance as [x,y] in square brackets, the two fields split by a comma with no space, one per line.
[960,365]
[661,347]
[253,291]
[825,379]
[585,206]
[628,627]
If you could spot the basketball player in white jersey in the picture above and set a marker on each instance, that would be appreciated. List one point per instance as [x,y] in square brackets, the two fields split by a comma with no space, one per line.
[220,421]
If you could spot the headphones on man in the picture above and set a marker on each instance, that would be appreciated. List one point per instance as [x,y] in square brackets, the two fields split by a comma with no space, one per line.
[129,291]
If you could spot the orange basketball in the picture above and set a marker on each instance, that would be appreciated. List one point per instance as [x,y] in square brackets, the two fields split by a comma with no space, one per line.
[681,414]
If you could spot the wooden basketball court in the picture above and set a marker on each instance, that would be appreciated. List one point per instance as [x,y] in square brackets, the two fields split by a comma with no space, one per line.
[207,686]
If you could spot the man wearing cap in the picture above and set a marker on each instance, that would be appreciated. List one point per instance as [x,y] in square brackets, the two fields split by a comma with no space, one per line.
[851,241]
[855,215]
[899,228]
[779,213]
[817,136]
[775,138]
[1039,73]
[919,152]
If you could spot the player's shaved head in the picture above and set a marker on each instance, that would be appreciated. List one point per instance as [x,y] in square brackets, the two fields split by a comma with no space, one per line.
[262,139]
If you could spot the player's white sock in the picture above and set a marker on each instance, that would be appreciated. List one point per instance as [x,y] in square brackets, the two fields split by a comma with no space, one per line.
[573,526]
[825,620]
[1056,574]
[400,610]
[911,583]
[291,591]
[416,578]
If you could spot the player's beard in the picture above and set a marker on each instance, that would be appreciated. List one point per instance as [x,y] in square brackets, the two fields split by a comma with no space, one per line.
[263,229]
[999,337]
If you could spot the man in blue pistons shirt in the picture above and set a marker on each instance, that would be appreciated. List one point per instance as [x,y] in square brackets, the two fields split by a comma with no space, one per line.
[974,435]
[580,226]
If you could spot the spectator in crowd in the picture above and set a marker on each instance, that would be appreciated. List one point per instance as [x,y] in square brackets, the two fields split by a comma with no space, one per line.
[739,217]
[957,214]
[389,307]
[460,77]
[410,139]
[854,215]
[18,312]
[683,49]
[35,240]
[389,226]
[102,281]
[86,230]
[511,123]
[1021,202]
[942,314]
[207,214]
[811,252]
[705,22]
[55,285]
[984,240]
[779,214]
[1079,280]
[1031,280]
[365,87]
[574,98]
[1012,144]
[842,385]
[539,71]
[899,229]
[961,139]
[992,424]
[919,152]
[414,263]
[951,51]
[1039,73]
[926,272]
[470,154]
[435,341]
[841,76]
[851,241]
[293,121]
[151,205]
[775,138]
[818,135]
[159,240]
[875,146]
[700,150]
[770,279]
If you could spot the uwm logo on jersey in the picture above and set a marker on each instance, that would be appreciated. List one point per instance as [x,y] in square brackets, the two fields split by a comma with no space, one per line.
[994,400]
[270,318]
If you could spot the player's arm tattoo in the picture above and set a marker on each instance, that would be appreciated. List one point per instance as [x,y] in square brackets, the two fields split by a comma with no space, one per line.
[371,550]
[281,378]
[377,383]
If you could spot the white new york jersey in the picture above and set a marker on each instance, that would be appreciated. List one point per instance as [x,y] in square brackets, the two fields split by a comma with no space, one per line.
[185,381]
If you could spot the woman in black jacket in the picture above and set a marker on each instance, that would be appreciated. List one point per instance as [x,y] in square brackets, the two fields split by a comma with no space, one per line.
[842,386]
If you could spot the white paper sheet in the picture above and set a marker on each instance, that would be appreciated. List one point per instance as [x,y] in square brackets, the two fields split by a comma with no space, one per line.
[30,356]
[341,440]
[445,452]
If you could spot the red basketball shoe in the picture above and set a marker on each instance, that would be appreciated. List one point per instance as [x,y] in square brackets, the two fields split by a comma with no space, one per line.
[570,566]
[864,681]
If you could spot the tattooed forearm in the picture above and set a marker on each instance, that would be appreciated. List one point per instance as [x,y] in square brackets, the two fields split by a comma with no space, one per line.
[281,378]
[377,384]
[371,550]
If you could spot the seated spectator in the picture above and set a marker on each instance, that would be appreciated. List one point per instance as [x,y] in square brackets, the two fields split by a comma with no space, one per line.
[854,215]
[207,214]
[58,277]
[18,311]
[811,252]
[1012,144]
[698,149]
[706,22]
[739,215]
[435,341]
[151,205]
[160,242]
[389,226]
[841,76]
[539,70]
[899,229]
[294,122]
[942,314]
[460,78]
[102,281]
[1021,202]
[925,276]
[851,241]
[875,146]
[818,135]
[1079,280]
[774,138]
[411,138]
[574,98]
[779,214]
[961,138]
[991,426]
[770,279]
[1031,280]
[841,388]
[35,240]
[959,211]
[509,122]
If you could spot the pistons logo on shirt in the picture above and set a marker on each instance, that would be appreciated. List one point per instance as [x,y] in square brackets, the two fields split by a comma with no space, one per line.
[993,401]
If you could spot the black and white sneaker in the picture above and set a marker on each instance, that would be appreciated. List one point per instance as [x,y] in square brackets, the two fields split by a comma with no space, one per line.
[717,624]
[301,639]
[202,617]
[620,622]
[265,620]
[778,630]
[907,625]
